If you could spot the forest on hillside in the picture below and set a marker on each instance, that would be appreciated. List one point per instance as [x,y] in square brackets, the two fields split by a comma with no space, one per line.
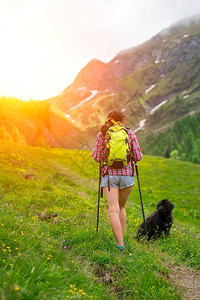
[19,118]
[182,141]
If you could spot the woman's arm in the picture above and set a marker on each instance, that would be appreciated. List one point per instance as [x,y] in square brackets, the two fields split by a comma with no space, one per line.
[135,147]
[97,151]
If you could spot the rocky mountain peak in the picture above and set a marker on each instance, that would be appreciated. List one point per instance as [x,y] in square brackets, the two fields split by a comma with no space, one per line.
[91,76]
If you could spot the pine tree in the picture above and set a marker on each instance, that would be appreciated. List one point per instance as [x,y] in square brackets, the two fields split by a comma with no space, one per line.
[40,142]
[4,134]
[167,153]
[174,154]
[17,138]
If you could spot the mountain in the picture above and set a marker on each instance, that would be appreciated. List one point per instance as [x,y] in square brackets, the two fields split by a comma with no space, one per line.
[154,84]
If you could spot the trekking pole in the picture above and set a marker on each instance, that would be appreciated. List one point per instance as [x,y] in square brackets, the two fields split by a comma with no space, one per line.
[138,180]
[100,195]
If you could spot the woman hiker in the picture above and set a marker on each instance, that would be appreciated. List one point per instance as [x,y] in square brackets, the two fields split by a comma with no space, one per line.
[117,183]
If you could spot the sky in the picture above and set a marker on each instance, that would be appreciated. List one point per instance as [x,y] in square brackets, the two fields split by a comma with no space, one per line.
[45,43]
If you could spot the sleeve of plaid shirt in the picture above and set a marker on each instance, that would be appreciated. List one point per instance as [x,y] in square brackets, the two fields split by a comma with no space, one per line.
[97,152]
[134,145]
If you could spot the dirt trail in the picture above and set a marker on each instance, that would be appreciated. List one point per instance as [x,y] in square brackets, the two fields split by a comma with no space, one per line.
[186,280]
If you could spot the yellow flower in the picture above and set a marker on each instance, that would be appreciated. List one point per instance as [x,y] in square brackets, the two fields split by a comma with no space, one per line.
[17,288]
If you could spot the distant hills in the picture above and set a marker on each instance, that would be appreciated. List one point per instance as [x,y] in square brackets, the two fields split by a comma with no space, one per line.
[38,123]
[154,84]
[142,81]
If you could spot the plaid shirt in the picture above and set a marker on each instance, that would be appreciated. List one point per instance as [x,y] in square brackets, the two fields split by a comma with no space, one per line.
[135,151]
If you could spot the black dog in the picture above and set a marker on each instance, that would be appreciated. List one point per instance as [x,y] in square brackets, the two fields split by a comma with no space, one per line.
[159,223]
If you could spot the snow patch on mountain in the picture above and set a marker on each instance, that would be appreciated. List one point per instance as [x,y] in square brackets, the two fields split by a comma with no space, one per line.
[93,93]
[151,88]
[157,106]
[141,125]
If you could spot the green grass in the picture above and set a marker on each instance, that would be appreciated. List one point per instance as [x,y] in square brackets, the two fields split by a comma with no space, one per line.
[64,257]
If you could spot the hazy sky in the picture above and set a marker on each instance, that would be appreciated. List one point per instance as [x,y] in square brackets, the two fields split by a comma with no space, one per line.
[45,43]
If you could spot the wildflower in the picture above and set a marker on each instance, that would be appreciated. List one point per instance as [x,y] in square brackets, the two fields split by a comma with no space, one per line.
[17,288]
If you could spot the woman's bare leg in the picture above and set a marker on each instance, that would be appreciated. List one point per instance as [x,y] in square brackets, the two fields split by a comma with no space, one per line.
[112,197]
[123,196]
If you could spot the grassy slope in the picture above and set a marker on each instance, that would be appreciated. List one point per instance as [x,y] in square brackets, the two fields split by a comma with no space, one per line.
[64,257]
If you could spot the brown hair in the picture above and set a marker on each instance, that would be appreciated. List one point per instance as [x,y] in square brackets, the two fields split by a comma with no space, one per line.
[113,115]
[116,115]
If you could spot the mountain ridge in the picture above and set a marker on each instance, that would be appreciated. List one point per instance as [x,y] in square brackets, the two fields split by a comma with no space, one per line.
[143,82]
[132,72]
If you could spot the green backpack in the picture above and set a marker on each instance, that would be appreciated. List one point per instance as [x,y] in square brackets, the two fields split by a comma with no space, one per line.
[117,152]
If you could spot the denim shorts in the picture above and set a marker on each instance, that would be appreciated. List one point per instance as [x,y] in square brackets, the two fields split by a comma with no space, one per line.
[116,181]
